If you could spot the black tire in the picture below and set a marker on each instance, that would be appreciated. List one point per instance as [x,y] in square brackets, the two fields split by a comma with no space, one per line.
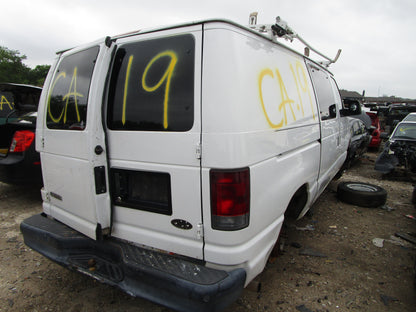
[362,194]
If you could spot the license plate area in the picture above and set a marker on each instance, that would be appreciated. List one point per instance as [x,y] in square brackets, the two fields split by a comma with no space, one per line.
[142,190]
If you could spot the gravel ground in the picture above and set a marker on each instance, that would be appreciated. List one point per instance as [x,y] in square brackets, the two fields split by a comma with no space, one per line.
[327,261]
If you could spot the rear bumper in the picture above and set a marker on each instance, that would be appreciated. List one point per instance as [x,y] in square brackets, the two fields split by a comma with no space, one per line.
[171,281]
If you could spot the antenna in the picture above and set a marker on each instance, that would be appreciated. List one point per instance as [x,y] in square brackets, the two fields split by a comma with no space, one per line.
[281,29]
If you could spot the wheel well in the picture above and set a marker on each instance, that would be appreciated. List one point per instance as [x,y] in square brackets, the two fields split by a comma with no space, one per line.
[297,203]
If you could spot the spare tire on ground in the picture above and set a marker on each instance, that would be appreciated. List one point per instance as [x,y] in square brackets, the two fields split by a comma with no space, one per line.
[362,194]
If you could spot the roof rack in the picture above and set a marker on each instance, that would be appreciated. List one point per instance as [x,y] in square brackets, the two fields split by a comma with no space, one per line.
[281,30]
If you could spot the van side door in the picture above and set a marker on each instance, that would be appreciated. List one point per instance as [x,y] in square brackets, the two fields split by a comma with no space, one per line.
[332,153]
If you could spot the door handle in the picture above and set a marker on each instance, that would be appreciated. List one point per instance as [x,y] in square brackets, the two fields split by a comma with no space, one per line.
[98,150]
[100,184]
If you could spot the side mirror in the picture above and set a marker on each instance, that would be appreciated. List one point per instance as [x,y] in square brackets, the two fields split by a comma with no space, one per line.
[351,107]
[354,109]
[333,111]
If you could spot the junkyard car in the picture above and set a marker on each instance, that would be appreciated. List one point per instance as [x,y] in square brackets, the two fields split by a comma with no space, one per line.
[360,139]
[410,117]
[400,150]
[376,131]
[19,161]
[396,113]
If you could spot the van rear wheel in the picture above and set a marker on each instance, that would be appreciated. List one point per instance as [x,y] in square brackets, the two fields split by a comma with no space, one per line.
[297,203]
[362,194]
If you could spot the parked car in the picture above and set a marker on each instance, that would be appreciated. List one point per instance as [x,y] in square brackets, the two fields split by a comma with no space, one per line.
[399,150]
[375,131]
[17,100]
[360,139]
[395,114]
[410,117]
[169,165]
[19,161]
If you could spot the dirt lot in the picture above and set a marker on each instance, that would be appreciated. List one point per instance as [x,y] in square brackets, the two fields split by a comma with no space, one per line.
[329,261]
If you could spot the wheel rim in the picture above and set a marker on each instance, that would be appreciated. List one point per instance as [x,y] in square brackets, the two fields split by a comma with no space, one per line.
[362,187]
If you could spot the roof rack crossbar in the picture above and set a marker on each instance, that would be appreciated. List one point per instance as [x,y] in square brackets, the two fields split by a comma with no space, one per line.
[281,30]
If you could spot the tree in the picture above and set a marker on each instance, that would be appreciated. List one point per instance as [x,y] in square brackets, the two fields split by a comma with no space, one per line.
[38,74]
[13,70]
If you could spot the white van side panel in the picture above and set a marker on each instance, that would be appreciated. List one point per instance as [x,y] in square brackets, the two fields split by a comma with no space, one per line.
[273,183]
[258,111]
[251,90]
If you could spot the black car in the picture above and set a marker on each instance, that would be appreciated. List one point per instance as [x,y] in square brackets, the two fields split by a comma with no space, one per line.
[360,138]
[395,114]
[19,161]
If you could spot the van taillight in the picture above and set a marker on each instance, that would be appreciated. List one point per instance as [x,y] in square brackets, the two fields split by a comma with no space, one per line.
[230,199]
[21,141]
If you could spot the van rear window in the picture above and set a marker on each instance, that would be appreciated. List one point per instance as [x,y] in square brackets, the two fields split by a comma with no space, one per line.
[68,96]
[152,85]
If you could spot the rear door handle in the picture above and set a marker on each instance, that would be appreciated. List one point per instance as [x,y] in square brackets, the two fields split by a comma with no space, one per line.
[100,184]
[98,150]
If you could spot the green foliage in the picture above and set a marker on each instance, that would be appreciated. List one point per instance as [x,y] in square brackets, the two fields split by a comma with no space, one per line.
[13,70]
[38,74]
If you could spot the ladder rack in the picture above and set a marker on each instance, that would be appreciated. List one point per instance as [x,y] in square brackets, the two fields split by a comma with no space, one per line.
[281,30]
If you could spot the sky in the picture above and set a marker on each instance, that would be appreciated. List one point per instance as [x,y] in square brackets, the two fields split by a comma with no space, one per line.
[376,36]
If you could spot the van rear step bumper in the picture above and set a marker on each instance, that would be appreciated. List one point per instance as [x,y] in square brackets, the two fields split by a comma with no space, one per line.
[170,281]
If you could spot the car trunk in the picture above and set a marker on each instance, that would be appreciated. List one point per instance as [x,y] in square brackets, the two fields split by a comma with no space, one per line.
[17,104]
[11,127]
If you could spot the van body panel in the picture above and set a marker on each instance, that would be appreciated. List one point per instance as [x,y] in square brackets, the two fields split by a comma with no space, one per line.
[185,206]
[334,128]
[255,90]
[265,118]
[173,153]
[252,255]
[268,204]
[67,150]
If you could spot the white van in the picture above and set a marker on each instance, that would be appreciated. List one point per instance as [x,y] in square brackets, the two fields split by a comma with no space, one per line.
[172,156]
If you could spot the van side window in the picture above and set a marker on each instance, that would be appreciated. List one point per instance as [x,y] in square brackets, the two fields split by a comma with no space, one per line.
[324,92]
[68,96]
[152,85]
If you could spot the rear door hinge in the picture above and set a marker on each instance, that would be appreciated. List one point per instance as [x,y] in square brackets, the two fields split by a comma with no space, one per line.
[198,151]
[200,231]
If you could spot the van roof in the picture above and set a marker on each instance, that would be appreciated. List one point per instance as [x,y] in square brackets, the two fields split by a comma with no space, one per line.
[201,22]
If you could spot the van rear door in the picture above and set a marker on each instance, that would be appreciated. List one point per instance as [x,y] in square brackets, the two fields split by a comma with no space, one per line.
[153,130]
[71,141]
